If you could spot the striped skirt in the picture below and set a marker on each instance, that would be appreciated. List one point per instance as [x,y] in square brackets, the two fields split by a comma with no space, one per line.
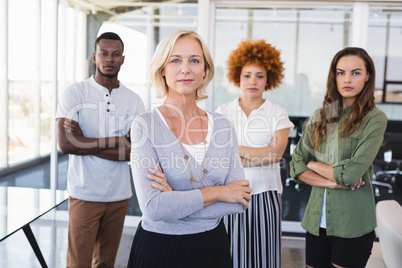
[255,235]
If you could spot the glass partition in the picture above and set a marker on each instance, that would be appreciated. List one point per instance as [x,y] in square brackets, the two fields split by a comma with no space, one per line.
[22,72]
[384,44]
[308,38]
[30,72]
[20,206]
[141,31]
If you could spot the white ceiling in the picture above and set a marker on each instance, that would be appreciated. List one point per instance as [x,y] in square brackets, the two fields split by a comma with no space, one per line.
[115,7]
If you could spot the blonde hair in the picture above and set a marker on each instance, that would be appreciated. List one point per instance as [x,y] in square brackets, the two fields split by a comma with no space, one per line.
[161,57]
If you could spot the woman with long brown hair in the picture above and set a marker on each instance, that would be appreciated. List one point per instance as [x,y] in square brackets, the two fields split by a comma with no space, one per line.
[335,156]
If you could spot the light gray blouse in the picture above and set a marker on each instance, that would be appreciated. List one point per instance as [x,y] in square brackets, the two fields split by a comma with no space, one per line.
[182,211]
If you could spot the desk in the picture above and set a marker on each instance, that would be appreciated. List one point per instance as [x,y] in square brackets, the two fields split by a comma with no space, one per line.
[20,206]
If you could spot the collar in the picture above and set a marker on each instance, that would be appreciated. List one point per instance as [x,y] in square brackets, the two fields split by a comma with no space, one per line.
[101,88]
[266,105]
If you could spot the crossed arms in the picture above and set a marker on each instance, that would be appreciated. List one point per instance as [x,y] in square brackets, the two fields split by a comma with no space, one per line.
[72,141]
[272,153]
[322,175]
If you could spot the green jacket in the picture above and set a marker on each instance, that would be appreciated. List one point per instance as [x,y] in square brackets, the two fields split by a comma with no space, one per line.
[349,213]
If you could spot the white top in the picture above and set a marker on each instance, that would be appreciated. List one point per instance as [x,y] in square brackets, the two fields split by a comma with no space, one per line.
[197,151]
[257,131]
[323,219]
[100,114]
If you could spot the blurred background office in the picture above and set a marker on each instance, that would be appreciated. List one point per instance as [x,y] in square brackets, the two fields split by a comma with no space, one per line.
[46,45]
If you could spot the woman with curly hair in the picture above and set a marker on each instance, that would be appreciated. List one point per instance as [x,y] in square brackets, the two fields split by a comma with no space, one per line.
[262,129]
[335,156]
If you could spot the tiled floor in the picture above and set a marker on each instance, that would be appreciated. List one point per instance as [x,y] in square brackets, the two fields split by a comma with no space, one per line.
[15,251]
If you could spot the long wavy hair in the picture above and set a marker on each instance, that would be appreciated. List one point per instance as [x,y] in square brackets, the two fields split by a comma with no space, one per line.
[332,107]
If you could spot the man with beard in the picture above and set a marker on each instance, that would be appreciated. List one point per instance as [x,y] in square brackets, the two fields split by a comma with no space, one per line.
[94,120]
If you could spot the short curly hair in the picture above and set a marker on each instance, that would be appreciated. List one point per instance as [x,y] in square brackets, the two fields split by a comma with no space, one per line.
[257,52]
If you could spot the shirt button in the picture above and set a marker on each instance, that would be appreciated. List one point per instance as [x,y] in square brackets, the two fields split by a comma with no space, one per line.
[108,103]
[108,110]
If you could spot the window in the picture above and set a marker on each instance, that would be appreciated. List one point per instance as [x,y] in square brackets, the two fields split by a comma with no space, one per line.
[141,30]
[384,44]
[308,38]
[30,73]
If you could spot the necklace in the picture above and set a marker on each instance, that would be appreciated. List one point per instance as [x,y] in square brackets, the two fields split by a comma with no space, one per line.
[186,157]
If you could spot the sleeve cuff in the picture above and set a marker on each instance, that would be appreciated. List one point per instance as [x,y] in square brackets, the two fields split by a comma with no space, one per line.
[296,169]
[338,169]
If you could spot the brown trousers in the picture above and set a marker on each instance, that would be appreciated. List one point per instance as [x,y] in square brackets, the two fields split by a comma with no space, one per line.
[94,232]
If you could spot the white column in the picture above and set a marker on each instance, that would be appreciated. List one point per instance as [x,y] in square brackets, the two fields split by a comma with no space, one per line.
[3,211]
[61,45]
[4,83]
[37,70]
[74,42]
[150,51]
[205,28]
[203,19]
[83,64]
[53,153]
[360,24]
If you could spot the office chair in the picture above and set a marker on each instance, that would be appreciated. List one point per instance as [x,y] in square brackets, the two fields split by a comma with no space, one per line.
[377,174]
[388,162]
[294,137]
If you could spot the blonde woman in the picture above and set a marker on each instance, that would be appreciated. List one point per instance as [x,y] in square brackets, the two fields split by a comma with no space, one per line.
[197,151]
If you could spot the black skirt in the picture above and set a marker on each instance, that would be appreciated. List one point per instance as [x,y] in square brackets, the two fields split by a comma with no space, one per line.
[202,250]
